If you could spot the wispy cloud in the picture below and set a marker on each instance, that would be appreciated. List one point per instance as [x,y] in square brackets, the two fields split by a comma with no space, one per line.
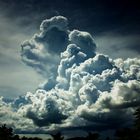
[118,45]
[13,72]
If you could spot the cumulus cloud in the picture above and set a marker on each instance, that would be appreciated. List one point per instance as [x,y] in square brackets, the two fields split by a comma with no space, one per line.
[12,117]
[122,98]
[84,40]
[52,39]
[84,89]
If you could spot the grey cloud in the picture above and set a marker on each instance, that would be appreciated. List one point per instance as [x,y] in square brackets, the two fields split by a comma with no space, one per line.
[85,88]
[89,85]
[129,98]
[130,68]
[52,39]
[95,93]
[48,85]
[84,40]
[118,45]
[53,118]
[109,120]
[70,58]
[122,99]
[59,22]
[20,101]
[43,108]
[13,118]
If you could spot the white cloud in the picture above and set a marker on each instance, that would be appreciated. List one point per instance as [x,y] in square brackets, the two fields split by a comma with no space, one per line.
[88,89]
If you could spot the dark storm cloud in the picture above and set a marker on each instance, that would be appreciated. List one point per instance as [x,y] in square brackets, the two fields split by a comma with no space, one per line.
[84,40]
[37,52]
[83,87]
[96,17]
[53,39]
[89,89]
[55,117]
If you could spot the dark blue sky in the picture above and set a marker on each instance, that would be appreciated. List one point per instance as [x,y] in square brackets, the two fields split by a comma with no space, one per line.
[99,17]
[92,15]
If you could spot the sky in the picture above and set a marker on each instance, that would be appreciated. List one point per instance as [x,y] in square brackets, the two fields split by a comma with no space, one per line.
[66,63]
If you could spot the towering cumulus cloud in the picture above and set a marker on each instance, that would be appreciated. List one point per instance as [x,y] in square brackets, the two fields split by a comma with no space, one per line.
[84,89]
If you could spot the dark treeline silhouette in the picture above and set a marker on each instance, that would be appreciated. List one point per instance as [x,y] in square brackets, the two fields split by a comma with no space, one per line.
[90,136]
[57,136]
[7,133]
[130,133]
